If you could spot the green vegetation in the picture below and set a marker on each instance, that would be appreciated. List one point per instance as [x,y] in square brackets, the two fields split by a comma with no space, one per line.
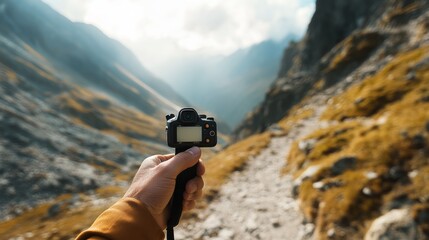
[374,161]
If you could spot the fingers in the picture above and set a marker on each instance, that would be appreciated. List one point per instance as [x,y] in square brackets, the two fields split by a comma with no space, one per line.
[194,185]
[201,169]
[193,190]
[188,205]
[181,161]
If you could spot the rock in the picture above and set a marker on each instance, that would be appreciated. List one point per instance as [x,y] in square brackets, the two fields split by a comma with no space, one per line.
[371,175]
[367,191]
[306,231]
[359,101]
[307,145]
[413,174]
[400,202]
[251,225]
[422,216]
[54,210]
[226,234]
[396,224]
[276,130]
[318,185]
[11,191]
[331,232]
[343,164]
[396,173]
[276,224]
[411,76]
[212,224]
[418,141]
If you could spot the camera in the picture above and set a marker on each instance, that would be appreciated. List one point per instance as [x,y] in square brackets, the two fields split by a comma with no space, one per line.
[190,129]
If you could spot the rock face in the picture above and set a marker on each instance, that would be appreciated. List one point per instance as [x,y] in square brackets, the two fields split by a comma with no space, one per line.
[341,37]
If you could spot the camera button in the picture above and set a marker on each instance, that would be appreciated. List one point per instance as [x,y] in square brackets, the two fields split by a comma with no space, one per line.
[206,125]
[207,140]
[212,133]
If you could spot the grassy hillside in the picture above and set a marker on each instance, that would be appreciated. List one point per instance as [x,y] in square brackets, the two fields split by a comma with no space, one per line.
[374,155]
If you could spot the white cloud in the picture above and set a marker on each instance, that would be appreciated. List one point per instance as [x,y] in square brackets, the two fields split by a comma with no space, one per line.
[161,29]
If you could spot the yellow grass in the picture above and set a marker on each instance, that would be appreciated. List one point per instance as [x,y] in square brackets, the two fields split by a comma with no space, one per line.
[381,135]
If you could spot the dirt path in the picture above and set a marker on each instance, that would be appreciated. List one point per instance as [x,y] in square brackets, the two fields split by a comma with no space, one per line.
[256,203]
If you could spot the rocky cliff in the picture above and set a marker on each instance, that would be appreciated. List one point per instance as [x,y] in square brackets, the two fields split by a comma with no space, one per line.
[374,28]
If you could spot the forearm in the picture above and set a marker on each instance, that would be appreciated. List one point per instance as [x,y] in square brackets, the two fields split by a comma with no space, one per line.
[126,219]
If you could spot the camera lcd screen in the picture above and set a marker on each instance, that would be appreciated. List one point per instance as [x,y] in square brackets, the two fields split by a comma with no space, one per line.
[189,134]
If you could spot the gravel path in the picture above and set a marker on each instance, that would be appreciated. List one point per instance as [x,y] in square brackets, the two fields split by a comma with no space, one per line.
[256,202]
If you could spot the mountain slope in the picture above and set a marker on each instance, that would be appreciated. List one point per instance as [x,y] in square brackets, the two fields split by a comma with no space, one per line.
[360,174]
[83,54]
[77,109]
[303,63]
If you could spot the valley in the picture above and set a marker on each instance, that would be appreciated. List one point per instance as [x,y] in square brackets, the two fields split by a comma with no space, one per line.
[338,147]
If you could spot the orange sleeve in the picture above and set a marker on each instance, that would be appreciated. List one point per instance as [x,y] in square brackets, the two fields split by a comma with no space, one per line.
[127,219]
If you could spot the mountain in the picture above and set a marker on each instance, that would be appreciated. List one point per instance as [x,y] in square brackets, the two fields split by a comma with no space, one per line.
[357,88]
[77,109]
[303,62]
[230,86]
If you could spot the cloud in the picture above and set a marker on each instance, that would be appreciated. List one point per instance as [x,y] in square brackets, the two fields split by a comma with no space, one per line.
[161,29]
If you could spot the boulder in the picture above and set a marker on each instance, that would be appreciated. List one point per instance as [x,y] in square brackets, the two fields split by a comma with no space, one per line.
[343,164]
[395,224]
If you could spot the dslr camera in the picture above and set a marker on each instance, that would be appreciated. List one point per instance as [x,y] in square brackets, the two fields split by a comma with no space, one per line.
[190,129]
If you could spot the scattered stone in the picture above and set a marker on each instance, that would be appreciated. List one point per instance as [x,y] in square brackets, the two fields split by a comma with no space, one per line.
[367,191]
[251,225]
[318,185]
[212,223]
[359,101]
[418,141]
[276,224]
[413,174]
[396,173]
[411,76]
[54,210]
[371,175]
[276,130]
[307,145]
[226,234]
[331,232]
[10,191]
[306,231]
[422,216]
[396,224]
[343,164]
[399,202]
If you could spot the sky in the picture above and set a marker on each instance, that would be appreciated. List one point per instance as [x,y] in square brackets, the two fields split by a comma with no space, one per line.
[164,31]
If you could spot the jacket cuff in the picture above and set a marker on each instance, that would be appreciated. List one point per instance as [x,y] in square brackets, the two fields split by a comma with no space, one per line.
[126,219]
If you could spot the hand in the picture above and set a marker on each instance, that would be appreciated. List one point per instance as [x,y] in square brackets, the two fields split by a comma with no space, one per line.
[155,180]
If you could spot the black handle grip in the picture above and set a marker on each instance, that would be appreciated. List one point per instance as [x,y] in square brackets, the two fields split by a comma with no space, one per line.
[176,206]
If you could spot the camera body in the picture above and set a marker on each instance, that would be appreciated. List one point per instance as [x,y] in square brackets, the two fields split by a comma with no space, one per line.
[190,129]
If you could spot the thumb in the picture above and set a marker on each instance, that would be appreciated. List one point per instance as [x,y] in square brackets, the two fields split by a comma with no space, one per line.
[182,161]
